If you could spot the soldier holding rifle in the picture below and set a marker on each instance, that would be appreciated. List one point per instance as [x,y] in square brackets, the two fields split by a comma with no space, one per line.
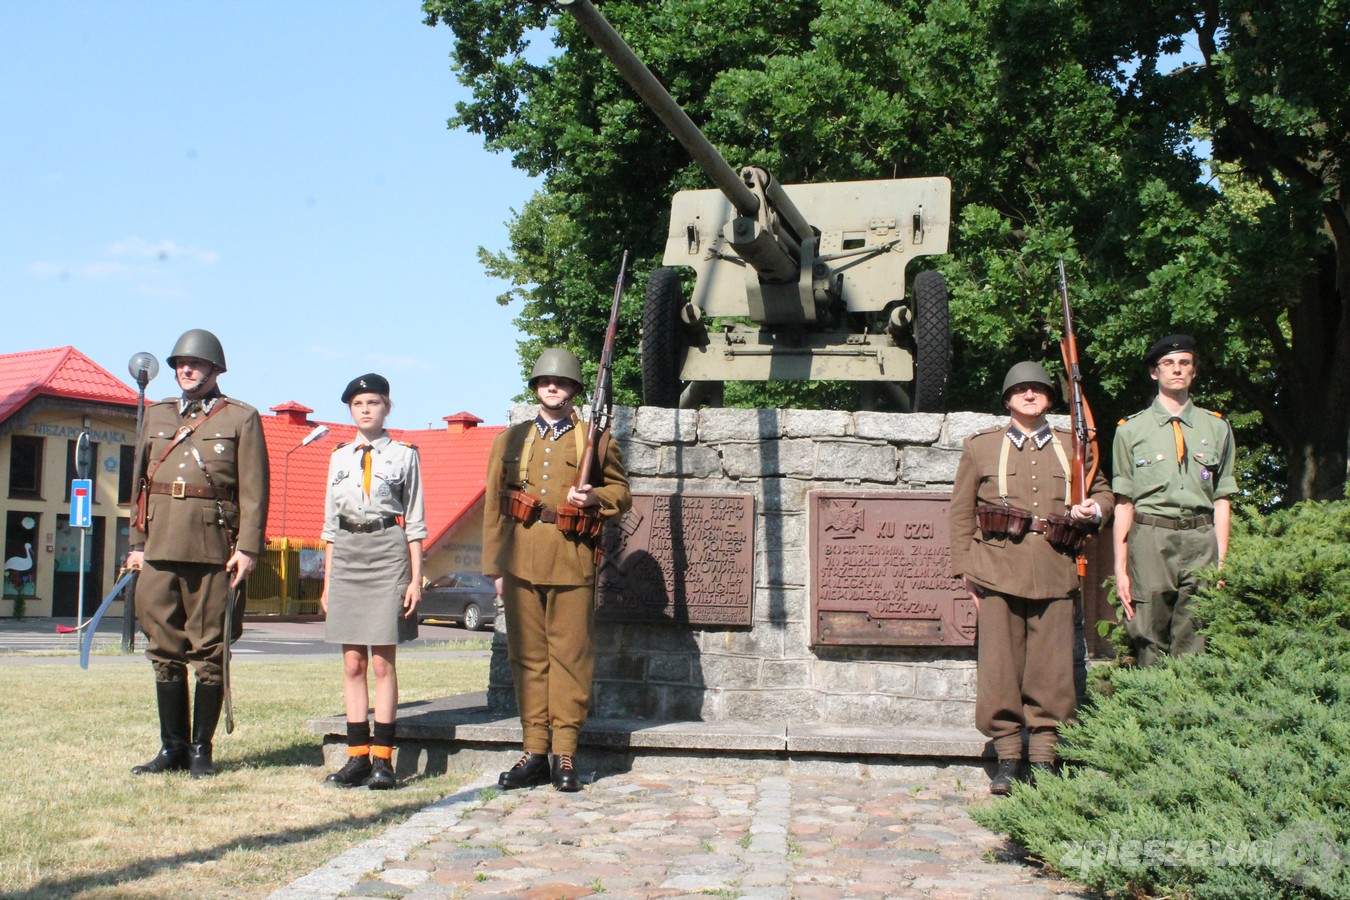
[200,509]
[552,483]
[1017,524]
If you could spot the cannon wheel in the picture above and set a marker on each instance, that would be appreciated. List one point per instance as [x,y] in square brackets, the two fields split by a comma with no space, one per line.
[932,342]
[660,339]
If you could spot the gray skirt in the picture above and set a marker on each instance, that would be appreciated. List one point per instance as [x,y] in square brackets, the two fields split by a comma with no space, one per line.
[365,589]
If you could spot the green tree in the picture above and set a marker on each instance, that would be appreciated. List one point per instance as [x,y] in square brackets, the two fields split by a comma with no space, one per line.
[1202,192]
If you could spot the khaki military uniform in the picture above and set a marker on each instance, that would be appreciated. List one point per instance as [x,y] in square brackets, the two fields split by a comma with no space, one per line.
[204,495]
[1026,586]
[1173,489]
[548,589]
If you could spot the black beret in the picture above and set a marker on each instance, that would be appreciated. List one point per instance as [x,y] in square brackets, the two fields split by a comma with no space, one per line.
[1173,343]
[366,384]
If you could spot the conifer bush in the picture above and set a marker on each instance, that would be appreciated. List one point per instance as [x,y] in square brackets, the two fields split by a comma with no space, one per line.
[1225,775]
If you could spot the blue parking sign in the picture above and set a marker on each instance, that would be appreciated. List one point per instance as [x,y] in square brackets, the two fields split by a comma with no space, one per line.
[81,496]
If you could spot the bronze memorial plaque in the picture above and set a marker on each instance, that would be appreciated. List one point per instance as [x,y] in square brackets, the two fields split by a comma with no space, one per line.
[881,571]
[680,558]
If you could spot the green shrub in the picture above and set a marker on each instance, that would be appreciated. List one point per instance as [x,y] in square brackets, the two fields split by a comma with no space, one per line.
[1224,775]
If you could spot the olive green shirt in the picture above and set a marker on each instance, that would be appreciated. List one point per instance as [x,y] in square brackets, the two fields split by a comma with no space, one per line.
[1147,473]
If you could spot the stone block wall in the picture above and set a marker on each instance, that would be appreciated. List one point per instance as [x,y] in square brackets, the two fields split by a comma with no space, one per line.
[770,672]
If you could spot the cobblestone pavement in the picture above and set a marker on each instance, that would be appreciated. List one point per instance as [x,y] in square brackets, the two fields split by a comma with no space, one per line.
[815,835]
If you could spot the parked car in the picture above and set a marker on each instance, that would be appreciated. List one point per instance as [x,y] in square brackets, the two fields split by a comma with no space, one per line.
[464,597]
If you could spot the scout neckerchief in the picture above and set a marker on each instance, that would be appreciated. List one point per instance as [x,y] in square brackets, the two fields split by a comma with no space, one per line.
[533,433]
[1059,453]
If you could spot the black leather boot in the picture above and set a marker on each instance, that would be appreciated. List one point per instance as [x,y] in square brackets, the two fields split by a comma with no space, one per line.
[530,770]
[1009,770]
[172,699]
[381,774]
[354,773]
[205,715]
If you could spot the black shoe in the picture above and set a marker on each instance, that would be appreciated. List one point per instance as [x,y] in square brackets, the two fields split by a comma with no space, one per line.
[164,761]
[381,774]
[1040,770]
[1008,772]
[565,777]
[353,774]
[530,770]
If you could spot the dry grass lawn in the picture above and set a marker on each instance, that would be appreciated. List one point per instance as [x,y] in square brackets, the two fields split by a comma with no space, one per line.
[76,823]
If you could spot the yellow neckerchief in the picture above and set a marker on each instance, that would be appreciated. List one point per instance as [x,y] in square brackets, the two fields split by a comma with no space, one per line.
[1063,463]
[523,475]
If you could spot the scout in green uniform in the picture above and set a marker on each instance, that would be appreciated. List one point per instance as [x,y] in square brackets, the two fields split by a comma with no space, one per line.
[374,526]
[1014,535]
[547,577]
[201,505]
[1173,475]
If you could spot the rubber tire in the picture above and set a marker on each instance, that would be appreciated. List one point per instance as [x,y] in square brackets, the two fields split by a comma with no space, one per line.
[661,344]
[473,617]
[932,342]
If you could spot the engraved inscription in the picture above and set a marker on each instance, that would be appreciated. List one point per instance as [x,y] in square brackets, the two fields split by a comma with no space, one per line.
[680,558]
[881,571]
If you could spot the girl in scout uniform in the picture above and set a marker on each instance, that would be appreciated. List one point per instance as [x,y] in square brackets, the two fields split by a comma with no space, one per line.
[374,526]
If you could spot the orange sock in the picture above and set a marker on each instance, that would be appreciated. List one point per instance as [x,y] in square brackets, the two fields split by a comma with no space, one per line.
[363,750]
[382,752]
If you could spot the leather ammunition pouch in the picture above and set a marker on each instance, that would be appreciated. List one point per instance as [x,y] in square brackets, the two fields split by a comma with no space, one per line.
[521,507]
[1003,521]
[584,523]
[1066,534]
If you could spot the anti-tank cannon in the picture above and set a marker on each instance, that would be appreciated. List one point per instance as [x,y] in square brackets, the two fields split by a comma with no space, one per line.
[817,269]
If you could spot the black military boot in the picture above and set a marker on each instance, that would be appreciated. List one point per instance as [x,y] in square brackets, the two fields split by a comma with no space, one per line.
[172,699]
[530,770]
[1007,774]
[381,774]
[205,715]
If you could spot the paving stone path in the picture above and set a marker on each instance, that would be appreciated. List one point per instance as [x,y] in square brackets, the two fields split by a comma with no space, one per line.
[814,836]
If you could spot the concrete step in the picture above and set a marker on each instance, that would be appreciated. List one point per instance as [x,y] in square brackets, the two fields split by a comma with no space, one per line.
[437,731]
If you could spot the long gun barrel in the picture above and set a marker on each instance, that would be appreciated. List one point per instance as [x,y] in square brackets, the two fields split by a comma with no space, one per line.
[775,262]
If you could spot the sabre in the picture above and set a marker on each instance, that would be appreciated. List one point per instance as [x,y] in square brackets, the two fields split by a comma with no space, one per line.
[87,640]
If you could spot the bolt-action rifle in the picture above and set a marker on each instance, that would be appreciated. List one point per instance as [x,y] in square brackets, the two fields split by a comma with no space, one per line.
[587,522]
[1084,469]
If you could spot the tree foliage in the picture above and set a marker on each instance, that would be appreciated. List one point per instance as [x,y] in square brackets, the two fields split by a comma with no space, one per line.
[1187,159]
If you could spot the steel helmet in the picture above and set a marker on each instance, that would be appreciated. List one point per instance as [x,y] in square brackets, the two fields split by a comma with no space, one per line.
[557,362]
[199,343]
[1028,373]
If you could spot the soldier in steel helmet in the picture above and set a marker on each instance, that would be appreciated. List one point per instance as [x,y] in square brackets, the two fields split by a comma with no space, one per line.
[1014,536]
[1172,466]
[546,577]
[200,498]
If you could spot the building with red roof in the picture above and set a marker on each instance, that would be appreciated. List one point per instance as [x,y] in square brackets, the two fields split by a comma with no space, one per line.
[49,397]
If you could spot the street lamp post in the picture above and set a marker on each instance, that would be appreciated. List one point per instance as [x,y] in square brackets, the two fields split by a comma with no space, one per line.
[310,438]
[143,368]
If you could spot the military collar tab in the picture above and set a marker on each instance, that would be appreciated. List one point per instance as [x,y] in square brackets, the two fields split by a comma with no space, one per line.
[1040,437]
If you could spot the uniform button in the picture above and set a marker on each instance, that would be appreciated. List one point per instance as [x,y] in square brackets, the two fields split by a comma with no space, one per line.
[1033,462]
[546,464]
[1033,490]
[548,449]
[1035,504]
[543,491]
[546,478]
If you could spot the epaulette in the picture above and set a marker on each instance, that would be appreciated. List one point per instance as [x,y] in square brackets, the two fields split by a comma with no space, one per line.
[406,444]
[340,446]
[1130,416]
[1217,415]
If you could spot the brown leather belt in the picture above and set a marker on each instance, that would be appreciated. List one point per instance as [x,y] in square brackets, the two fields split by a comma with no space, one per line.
[181,489]
[1037,526]
[548,514]
[367,527]
[1185,523]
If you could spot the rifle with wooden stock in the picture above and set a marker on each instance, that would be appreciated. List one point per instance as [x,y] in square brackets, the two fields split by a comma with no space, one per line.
[588,522]
[1082,470]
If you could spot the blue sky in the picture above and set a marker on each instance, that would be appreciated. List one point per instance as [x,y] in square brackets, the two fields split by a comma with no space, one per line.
[278,172]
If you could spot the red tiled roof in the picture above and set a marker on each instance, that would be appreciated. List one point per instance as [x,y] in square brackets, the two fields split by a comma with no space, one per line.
[454,468]
[57,372]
